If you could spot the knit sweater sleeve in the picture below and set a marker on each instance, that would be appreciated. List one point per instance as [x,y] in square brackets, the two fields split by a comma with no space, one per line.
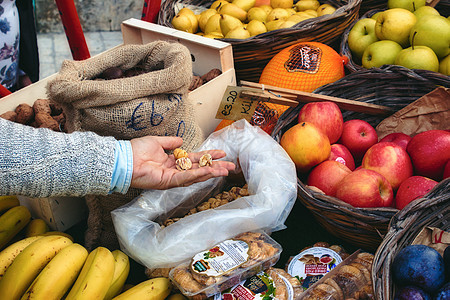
[43,163]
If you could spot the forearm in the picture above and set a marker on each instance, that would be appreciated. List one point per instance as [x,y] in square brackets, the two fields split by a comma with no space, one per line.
[43,163]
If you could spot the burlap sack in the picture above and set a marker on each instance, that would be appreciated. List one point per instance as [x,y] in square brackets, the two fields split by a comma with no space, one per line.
[153,103]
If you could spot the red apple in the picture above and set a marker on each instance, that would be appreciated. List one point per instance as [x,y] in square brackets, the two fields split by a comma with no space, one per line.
[341,154]
[306,144]
[429,152]
[358,136]
[365,188]
[390,160]
[327,175]
[326,115]
[446,170]
[399,138]
[413,188]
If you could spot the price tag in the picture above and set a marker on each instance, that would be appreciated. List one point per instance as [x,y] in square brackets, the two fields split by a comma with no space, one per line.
[233,107]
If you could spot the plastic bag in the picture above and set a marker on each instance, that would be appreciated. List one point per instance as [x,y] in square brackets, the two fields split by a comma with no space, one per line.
[272,183]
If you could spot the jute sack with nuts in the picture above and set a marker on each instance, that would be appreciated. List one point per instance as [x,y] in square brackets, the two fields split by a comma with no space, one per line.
[154,102]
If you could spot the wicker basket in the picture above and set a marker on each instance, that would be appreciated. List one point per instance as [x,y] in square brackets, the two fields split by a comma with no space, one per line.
[252,55]
[392,86]
[354,64]
[432,210]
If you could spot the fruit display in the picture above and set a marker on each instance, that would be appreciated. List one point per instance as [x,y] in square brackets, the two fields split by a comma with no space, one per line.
[408,33]
[242,19]
[390,172]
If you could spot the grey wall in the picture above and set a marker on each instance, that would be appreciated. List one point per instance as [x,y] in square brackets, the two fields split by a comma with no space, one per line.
[94,15]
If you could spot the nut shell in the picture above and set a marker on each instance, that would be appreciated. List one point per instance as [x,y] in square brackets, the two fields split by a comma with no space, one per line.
[183,163]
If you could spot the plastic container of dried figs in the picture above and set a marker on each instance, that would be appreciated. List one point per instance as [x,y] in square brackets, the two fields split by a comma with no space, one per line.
[226,264]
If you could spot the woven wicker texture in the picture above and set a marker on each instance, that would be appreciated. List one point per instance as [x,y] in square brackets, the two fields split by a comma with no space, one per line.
[392,86]
[354,64]
[251,55]
[432,210]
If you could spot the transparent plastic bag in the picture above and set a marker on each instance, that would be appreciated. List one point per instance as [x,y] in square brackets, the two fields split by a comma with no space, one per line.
[272,183]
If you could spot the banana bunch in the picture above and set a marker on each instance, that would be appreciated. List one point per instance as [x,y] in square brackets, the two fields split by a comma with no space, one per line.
[14,217]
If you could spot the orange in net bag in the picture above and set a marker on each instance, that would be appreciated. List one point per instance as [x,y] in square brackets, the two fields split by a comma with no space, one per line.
[304,67]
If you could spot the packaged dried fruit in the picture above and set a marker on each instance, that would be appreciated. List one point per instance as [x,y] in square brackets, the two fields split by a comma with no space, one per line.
[226,264]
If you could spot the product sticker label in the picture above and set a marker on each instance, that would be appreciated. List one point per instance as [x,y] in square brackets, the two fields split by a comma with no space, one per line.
[221,259]
[304,58]
[259,286]
[312,264]
[234,107]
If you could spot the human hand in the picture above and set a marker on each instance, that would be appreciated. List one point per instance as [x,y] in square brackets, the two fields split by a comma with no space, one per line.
[153,168]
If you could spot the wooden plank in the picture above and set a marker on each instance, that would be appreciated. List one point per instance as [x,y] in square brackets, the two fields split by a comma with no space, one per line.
[305,97]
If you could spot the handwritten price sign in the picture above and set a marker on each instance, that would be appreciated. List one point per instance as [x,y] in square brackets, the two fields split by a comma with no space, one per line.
[233,107]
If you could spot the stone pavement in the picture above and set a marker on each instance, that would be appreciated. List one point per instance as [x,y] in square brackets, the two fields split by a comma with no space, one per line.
[54,48]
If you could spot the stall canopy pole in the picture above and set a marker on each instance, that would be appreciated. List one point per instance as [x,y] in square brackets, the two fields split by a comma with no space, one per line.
[72,27]
[150,10]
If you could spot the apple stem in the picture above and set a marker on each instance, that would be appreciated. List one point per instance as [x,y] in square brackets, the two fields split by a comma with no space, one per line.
[412,40]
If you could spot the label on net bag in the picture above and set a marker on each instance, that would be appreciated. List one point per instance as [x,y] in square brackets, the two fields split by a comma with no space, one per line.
[222,258]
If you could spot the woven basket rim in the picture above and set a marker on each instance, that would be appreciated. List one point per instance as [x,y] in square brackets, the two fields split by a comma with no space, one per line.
[431,210]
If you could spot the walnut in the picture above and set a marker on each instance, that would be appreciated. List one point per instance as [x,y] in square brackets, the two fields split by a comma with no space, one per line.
[25,113]
[211,75]
[183,163]
[204,206]
[196,82]
[179,153]
[205,160]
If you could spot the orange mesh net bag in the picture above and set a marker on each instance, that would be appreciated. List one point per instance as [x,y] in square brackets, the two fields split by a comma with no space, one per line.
[305,67]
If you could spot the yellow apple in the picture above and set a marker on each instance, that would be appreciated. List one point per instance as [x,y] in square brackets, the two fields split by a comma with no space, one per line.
[395,24]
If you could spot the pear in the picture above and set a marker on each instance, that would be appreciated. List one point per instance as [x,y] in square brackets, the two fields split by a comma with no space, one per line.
[194,20]
[233,10]
[273,25]
[238,33]
[311,12]
[282,3]
[277,14]
[296,18]
[307,4]
[204,16]
[214,35]
[291,11]
[228,23]
[287,24]
[267,8]
[186,10]
[304,16]
[182,22]
[213,25]
[256,27]
[244,4]
[325,9]
[218,4]
[256,13]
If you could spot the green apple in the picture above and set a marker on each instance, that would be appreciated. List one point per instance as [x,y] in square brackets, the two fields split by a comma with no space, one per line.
[362,35]
[395,24]
[418,57]
[411,5]
[426,10]
[432,31]
[444,66]
[380,53]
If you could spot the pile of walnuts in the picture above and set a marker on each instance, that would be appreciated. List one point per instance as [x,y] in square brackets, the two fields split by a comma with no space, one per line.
[43,114]
[214,202]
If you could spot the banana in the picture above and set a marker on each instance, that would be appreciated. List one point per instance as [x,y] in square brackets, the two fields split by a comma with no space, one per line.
[8,254]
[121,271]
[28,264]
[177,296]
[12,222]
[55,232]
[153,289]
[36,227]
[58,275]
[7,202]
[95,276]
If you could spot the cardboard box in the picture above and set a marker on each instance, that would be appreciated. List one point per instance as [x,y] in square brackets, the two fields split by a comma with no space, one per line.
[61,213]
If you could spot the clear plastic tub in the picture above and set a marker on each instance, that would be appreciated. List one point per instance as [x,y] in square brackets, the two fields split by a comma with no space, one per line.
[226,264]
